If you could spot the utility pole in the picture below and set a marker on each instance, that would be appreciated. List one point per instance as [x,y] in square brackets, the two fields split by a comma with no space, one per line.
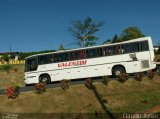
[10,48]
[10,51]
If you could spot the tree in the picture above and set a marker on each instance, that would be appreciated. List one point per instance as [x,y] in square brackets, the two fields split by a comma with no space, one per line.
[61,47]
[84,32]
[131,33]
[115,39]
[5,58]
[108,41]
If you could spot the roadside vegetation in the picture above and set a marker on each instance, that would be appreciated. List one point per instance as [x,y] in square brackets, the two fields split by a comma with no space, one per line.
[119,96]
[11,75]
[131,95]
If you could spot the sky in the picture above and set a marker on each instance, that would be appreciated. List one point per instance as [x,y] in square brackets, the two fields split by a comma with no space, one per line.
[36,25]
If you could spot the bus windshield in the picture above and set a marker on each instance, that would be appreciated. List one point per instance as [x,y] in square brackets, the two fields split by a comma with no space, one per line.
[31,64]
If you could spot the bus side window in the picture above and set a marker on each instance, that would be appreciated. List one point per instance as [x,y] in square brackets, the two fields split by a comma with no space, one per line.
[96,52]
[116,49]
[135,47]
[57,57]
[52,58]
[82,54]
[61,57]
[125,48]
[45,59]
[76,55]
[71,55]
[130,47]
[106,51]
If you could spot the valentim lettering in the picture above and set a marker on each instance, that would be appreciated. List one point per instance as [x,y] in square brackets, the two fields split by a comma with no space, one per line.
[72,63]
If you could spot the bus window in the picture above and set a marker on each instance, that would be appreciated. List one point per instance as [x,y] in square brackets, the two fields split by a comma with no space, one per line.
[135,47]
[61,57]
[144,46]
[76,55]
[125,48]
[116,49]
[130,47]
[96,52]
[32,64]
[45,59]
[106,51]
[111,50]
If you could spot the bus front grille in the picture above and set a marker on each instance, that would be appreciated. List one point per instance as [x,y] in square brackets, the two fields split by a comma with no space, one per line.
[145,64]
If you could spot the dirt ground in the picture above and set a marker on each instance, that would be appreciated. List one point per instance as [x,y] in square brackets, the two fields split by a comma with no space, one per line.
[155,109]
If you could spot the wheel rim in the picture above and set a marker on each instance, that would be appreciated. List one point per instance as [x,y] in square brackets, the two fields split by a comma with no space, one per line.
[118,72]
[44,80]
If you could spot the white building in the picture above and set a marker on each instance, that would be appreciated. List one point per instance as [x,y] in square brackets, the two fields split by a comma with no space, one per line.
[12,55]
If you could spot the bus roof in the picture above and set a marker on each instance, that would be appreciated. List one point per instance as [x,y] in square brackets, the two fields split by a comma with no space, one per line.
[61,51]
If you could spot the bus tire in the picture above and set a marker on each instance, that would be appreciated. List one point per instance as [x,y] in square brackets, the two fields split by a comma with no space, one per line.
[45,78]
[118,70]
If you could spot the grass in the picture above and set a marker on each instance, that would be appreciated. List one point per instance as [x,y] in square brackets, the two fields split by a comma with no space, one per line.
[15,76]
[130,96]
[53,101]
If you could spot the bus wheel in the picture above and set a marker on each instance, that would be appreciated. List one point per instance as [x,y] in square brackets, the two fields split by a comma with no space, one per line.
[117,71]
[45,78]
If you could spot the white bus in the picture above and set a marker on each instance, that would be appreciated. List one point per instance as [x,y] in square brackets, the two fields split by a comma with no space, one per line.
[131,56]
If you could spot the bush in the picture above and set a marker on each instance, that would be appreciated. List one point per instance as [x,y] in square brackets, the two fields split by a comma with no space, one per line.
[105,80]
[40,88]
[123,77]
[151,74]
[15,69]
[65,84]
[5,68]
[13,92]
[88,83]
[139,76]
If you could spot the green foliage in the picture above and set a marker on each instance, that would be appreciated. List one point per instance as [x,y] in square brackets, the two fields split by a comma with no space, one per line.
[84,32]
[5,58]
[127,34]
[107,41]
[17,91]
[105,80]
[88,83]
[139,76]
[5,68]
[115,39]
[65,84]
[131,33]
[151,74]
[123,77]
